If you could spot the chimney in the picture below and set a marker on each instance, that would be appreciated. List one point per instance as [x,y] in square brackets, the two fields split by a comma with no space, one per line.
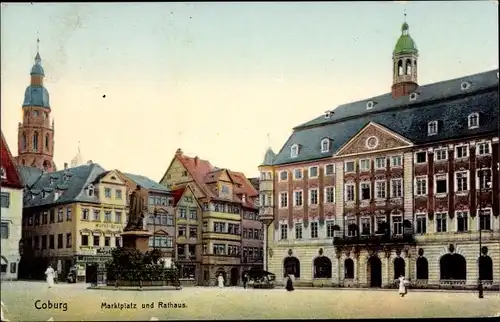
[196,159]
[65,165]
[179,151]
[89,162]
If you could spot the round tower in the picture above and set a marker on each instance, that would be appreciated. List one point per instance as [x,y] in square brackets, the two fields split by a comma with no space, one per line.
[266,202]
[404,57]
[36,132]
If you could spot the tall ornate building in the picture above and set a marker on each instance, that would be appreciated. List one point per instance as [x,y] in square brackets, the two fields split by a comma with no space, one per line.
[231,231]
[404,183]
[36,132]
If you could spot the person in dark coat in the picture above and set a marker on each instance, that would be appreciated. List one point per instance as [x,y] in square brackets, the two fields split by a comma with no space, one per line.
[289,284]
[245,280]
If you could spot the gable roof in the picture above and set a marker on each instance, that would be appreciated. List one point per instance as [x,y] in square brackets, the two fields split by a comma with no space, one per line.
[13,178]
[201,171]
[444,101]
[70,183]
[180,192]
[177,194]
[147,183]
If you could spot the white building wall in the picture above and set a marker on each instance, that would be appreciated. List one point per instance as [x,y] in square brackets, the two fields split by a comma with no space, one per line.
[12,217]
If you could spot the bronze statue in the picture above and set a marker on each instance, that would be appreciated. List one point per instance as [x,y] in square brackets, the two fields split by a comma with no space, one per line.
[137,206]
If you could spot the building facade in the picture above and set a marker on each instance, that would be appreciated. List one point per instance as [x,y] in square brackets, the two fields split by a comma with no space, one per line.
[160,221]
[72,216]
[36,132]
[11,203]
[223,195]
[188,225]
[404,183]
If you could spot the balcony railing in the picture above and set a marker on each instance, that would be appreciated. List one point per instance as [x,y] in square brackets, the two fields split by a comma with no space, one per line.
[373,239]
[452,282]
[251,260]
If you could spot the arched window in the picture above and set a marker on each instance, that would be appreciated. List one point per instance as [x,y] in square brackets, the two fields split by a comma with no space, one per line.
[453,267]
[399,267]
[400,68]
[408,67]
[348,268]
[23,141]
[90,190]
[473,120]
[422,268]
[325,145]
[291,266]
[485,268]
[322,267]
[35,141]
[46,142]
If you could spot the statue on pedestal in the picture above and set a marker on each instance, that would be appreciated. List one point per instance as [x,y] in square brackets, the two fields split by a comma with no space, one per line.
[137,207]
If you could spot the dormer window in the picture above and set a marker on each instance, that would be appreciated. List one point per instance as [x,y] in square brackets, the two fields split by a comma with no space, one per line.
[3,173]
[325,145]
[91,191]
[473,121]
[328,114]
[52,180]
[244,198]
[370,105]
[413,96]
[465,86]
[57,194]
[44,194]
[432,128]
[294,151]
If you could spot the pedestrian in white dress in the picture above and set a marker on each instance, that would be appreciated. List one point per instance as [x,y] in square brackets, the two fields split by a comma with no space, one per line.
[50,273]
[221,281]
[402,286]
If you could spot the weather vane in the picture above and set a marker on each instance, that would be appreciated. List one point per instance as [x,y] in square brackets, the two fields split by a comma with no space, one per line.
[38,42]
[269,138]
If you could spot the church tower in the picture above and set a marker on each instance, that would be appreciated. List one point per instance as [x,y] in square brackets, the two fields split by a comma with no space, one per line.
[36,132]
[404,59]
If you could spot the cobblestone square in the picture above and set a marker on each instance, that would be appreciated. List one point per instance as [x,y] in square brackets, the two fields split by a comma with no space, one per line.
[20,298]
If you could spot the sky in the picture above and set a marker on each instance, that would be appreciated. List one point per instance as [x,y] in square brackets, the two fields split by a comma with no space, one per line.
[132,82]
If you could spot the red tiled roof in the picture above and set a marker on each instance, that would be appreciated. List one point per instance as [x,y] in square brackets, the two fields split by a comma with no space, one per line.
[204,172]
[13,178]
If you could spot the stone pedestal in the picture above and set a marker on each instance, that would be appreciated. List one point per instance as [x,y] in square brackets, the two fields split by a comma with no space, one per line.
[136,240]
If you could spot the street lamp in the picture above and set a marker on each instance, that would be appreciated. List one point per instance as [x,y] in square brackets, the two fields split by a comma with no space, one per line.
[483,181]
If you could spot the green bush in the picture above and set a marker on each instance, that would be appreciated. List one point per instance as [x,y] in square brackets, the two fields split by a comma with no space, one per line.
[132,265]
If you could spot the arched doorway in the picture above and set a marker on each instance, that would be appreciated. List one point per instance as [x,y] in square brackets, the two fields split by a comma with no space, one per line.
[221,271]
[485,268]
[291,266]
[453,267]
[422,268]
[348,268]
[322,267]
[375,271]
[399,267]
[235,276]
